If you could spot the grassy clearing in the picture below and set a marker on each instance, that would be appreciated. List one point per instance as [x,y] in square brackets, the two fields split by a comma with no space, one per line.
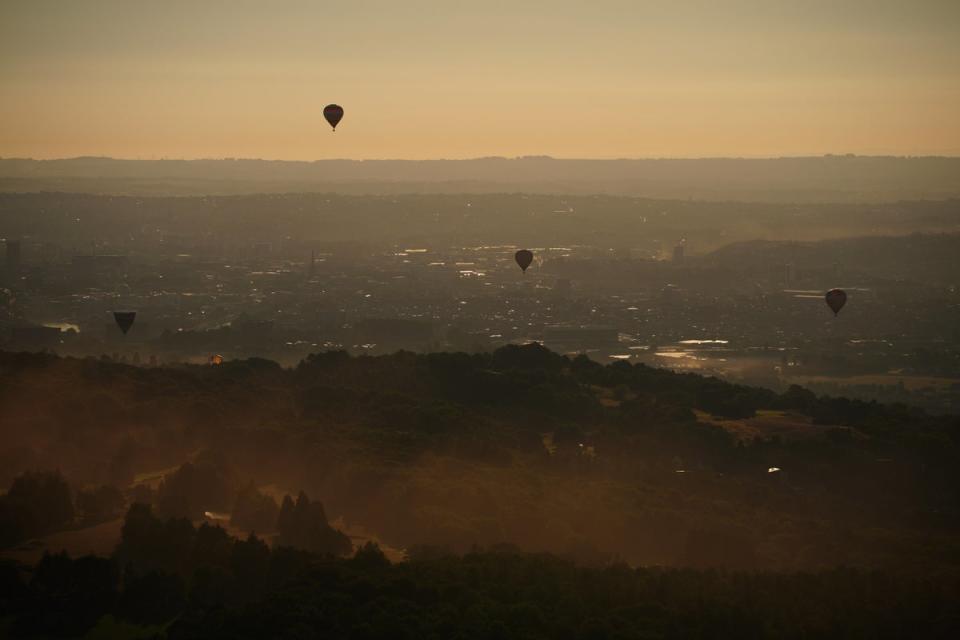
[767,424]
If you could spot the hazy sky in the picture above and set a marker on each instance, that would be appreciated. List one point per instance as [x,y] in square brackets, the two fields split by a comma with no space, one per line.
[598,78]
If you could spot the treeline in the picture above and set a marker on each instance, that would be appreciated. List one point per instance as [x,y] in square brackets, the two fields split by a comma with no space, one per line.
[536,383]
[38,503]
[530,379]
[210,484]
[160,569]
[181,582]
[405,403]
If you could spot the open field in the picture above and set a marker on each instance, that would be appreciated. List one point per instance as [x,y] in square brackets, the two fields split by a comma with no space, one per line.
[767,425]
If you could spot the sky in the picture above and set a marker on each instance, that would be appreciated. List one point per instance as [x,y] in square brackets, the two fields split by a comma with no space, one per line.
[457,79]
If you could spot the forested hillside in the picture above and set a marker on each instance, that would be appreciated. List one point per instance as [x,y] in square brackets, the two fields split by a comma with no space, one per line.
[520,446]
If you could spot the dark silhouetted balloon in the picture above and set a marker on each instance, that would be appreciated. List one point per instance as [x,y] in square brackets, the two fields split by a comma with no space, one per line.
[333,113]
[836,298]
[523,258]
[124,319]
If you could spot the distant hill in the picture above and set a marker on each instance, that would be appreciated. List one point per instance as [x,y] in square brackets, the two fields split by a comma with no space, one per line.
[930,257]
[460,220]
[801,179]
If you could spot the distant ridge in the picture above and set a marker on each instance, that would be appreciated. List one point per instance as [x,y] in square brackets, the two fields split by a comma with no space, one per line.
[790,179]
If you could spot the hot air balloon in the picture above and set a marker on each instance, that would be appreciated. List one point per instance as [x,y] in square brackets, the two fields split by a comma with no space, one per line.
[333,113]
[523,258]
[836,298]
[216,359]
[124,319]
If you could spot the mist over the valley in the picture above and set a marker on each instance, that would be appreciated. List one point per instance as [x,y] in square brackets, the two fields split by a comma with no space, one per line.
[830,178]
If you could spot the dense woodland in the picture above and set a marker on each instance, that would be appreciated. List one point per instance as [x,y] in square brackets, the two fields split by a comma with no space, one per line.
[521,452]
[170,579]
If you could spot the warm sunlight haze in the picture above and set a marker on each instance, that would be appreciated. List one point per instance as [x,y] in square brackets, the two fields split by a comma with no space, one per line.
[479,320]
[605,79]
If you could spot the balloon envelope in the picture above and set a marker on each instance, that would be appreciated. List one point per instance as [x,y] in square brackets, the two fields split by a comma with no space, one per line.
[333,113]
[836,298]
[124,319]
[216,359]
[523,258]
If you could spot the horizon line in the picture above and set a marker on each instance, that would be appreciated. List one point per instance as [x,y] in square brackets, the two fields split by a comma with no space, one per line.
[477,158]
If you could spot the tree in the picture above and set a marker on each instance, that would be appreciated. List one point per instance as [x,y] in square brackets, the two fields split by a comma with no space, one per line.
[370,556]
[71,595]
[212,547]
[148,543]
[254,511]
[36,504]
[195,488]
[249,564]
[151,598]
[304,525]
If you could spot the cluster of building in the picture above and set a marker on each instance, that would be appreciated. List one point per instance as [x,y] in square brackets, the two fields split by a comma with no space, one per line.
[282,301]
